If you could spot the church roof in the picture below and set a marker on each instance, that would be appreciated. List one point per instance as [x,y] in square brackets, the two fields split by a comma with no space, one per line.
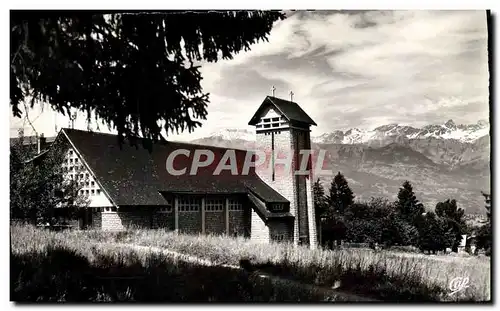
[290,110]
[132,175]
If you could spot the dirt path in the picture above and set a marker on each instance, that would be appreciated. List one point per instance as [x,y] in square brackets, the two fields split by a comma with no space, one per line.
[329,293]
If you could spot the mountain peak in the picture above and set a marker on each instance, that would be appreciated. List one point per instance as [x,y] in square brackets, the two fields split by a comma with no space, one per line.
[450,124]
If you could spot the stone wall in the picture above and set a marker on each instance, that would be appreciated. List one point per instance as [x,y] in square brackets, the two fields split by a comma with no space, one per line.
[284,181]
[259,230]
[301,188]
[164,220]
[118,221]
[215,222]
[96,219]
[280,230]
[239,223]
[295,188]
[190,222]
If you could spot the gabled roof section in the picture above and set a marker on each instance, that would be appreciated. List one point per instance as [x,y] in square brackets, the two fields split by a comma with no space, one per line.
[290,110]
[260,208]
[132,175]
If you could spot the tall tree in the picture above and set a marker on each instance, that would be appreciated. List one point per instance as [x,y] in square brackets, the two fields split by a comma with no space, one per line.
[138,73]
[453,220]
[320,206]
[39,191]
[340,194]
[339,198]
[407,204]
[320,203]
[484,234]
[487,206]
[433,233]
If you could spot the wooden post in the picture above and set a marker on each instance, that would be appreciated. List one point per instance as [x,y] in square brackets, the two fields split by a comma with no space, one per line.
[176,214]
[203,215]
[226,209]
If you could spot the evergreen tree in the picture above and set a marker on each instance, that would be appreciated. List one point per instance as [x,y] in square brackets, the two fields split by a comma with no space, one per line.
[340,195]
[320,203]
[407,204]
[320,206]
[339,198]
[138,73]
[433,235]
[487,200]
[453,218]
[484,235]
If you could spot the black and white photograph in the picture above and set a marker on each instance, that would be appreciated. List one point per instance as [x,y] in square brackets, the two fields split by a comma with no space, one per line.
[240,156]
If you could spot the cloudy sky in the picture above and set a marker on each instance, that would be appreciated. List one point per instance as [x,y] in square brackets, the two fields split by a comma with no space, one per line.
[348,69]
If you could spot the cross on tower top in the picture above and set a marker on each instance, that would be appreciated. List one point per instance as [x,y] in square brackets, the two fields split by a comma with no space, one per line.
[72,119]
[273,89]
[291,96]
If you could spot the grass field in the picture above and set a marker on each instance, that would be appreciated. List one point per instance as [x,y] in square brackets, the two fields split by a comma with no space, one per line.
[385,275]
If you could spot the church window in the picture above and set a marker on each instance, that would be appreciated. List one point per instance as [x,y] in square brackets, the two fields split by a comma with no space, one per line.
[272,155]
[189,204]
[278,207]
[214,205]
[235,205]
[165,209]
[278,237]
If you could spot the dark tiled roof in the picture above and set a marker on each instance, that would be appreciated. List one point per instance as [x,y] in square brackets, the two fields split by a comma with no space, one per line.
[30,140]
[134,176]
[290,109]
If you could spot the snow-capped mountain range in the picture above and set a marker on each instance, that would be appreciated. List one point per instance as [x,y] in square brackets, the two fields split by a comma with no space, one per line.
[446,131]
[449,130]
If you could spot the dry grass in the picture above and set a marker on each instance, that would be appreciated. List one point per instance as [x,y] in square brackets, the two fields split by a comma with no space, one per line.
[50,267]
[416,275]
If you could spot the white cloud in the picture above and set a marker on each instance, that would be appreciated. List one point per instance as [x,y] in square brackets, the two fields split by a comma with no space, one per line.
[359,69]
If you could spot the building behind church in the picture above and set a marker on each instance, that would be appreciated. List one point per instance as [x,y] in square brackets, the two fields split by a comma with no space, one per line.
[129,186]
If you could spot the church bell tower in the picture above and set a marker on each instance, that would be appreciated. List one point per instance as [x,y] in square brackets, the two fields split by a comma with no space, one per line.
[283,130]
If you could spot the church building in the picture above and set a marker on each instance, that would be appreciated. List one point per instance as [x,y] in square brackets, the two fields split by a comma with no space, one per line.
[129,186]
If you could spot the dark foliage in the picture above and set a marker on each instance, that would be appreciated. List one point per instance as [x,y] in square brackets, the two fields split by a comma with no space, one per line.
[39,191]
[340,196]
[453,218]
[434,234]
[407,204]
[135,72]
[320,201]
[484,235]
